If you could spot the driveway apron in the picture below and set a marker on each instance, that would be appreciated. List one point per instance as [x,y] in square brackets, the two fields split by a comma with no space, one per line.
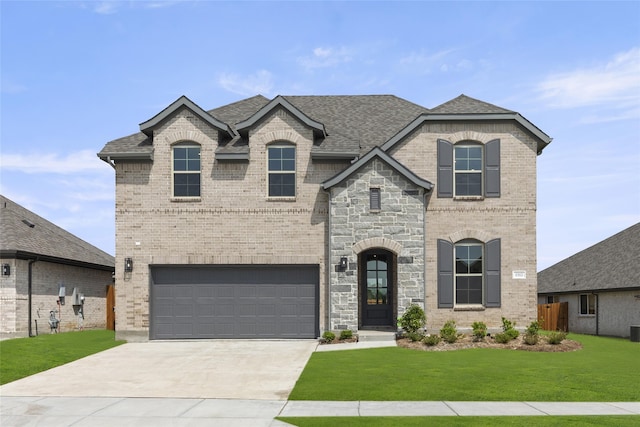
[221,369]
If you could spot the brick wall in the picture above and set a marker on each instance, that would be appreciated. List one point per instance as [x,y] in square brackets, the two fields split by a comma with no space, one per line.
[45,280]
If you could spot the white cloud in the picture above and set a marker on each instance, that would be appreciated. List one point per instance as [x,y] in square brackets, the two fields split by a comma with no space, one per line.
[11,87]
[261,82]
[32,163]
[324,57]
[106,7]
[615,84]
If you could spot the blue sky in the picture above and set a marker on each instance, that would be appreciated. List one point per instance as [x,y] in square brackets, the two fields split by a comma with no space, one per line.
[75,75]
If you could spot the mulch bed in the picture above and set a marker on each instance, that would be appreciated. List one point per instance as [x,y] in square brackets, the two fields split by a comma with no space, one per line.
[466,341]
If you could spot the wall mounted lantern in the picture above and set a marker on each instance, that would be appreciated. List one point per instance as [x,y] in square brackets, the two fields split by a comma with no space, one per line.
[343,263]
[128,265]
[6,270]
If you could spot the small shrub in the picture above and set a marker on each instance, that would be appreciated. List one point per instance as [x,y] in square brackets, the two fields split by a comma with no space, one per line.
[531,336]
[415,336]
[346,334]
[502,338]
[533,328]
[412,319]
[556,337]
[507,324]
[512,334]
[479,331]
[530,339]
[328,336]
[449,333]
[431,340]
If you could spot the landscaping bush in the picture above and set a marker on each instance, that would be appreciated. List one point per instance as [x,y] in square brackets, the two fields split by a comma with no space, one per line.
[556,337]
[479,331]
[328,336]
[412,320]
[508,328]
[449,333]
[502,338]
[415,336]
[431,340]
[346,334]
[531,336]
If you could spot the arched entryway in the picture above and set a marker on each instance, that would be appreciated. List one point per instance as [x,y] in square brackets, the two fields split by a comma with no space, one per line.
[377,288]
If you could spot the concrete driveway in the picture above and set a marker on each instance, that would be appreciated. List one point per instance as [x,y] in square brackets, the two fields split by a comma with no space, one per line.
[221,369]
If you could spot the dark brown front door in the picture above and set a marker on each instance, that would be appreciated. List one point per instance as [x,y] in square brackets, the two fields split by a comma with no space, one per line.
[111,304]
[376,269]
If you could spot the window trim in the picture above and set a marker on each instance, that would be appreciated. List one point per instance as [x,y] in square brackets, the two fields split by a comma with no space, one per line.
[587,312]
[185,144]
[283,144]
[481,171]
[469,243]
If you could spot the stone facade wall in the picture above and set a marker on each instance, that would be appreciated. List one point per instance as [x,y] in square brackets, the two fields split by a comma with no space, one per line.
[398,226]
[233,222]
[45,280]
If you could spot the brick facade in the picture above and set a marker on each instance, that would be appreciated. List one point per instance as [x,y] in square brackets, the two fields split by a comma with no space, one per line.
[235,222]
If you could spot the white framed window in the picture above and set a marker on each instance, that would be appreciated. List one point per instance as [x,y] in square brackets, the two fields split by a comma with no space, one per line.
[281,170]
[587,304]
[186,170]
[468,165]
[551,299]
[469,273]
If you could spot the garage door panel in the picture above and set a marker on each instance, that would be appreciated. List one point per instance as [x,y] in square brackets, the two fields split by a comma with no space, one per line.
[234,302]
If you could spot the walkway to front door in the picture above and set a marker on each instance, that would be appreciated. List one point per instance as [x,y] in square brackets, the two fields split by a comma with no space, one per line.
[377,280]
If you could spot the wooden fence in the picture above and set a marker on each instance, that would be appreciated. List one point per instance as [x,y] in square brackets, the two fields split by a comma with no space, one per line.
[554,317]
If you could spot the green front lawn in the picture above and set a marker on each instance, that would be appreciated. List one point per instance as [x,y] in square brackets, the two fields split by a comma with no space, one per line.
[22,357]
[606,369]
[539,421]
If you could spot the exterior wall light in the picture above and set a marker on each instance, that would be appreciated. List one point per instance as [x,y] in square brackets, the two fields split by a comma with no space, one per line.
[343,263]
[128,265]
[6,270]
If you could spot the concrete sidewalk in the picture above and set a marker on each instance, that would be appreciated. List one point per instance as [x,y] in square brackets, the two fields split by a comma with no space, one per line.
[123,412]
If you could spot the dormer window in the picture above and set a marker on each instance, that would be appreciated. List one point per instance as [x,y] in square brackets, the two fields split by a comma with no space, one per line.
[282,170]
[186,171]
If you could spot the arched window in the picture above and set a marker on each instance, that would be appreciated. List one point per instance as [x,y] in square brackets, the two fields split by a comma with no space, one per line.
[469,272]
[186,170]
[282,170]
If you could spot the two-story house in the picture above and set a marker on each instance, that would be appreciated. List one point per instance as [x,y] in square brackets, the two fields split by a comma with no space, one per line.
[286,217]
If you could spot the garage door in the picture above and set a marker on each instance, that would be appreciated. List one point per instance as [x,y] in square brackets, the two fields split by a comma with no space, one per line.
[234,302]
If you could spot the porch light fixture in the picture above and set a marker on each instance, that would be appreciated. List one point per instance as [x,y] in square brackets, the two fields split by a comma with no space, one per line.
[128,265]
[6,270]
[343,263]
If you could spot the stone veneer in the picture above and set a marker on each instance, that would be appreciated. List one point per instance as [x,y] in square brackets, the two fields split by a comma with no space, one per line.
[398,227]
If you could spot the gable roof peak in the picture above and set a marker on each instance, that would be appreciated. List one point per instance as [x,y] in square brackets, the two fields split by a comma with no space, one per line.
[148,126]
[464,104]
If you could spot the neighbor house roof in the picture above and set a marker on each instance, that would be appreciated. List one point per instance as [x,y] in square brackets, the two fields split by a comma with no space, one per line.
[609,265]
[345,126]
[26,235]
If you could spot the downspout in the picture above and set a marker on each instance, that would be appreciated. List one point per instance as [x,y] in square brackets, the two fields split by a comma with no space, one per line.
[328,267]
[597,314]
[30,292]
[113,165]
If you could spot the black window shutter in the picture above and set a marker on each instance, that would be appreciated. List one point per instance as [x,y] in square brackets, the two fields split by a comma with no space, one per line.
[445,274]
[492,168]
[445,168]
[492,273]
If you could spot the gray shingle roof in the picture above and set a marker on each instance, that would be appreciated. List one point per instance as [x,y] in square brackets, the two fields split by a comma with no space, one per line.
[608,265]
[464,104]
[45,239]
[354,124]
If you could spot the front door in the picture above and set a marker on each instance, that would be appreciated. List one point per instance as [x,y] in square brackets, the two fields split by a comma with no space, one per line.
[377,288]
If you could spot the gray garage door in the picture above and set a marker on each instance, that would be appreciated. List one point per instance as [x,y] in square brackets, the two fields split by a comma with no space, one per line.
[234,302]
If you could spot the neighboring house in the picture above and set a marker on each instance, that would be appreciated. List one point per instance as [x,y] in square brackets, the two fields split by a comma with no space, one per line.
[39,258]
[601,285]
[287,217]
